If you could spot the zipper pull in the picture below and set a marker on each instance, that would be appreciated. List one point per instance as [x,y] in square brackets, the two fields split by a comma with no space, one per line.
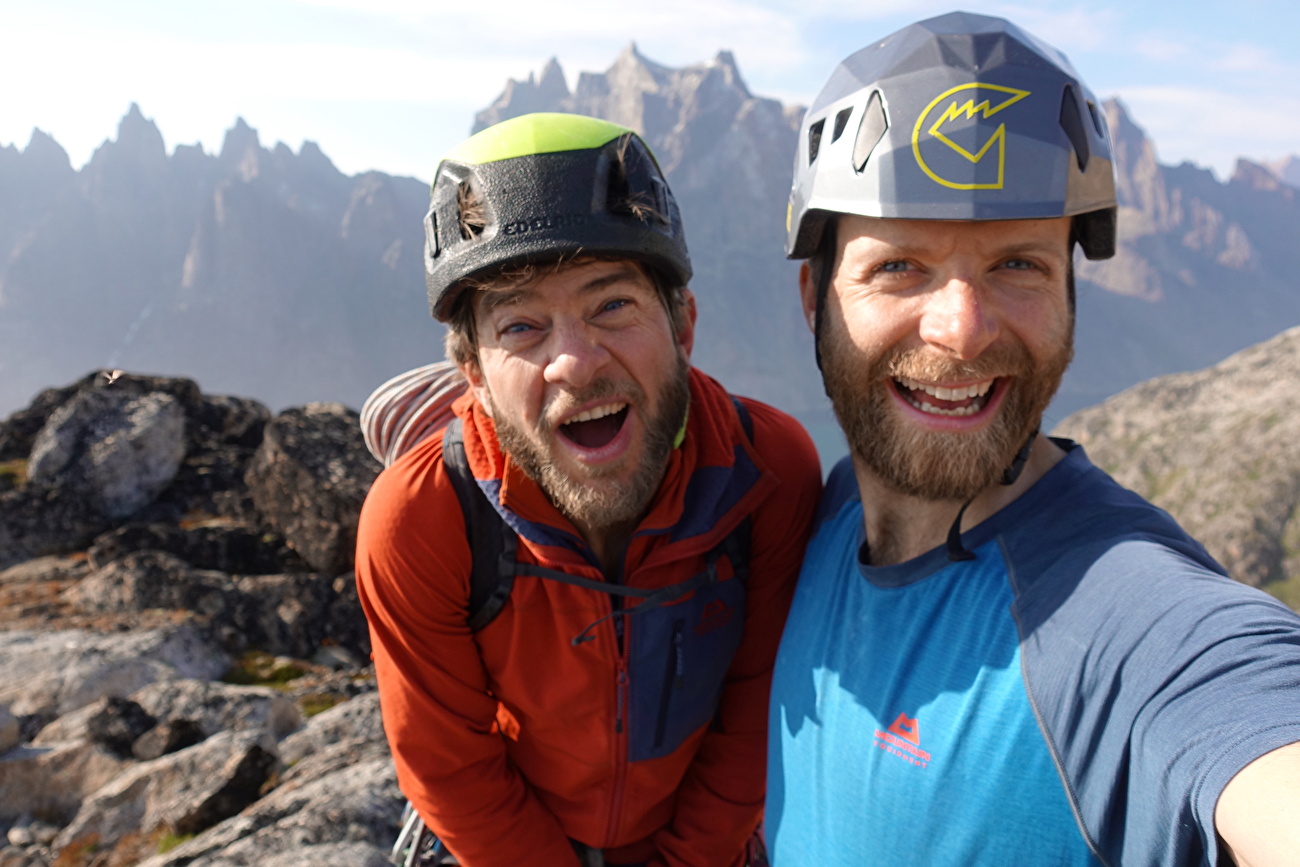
[618,714]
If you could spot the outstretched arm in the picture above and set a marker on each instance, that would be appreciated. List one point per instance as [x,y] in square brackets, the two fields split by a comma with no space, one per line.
[1256,814]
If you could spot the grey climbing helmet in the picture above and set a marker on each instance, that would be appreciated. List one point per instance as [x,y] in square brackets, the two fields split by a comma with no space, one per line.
[959,117]
[540,186]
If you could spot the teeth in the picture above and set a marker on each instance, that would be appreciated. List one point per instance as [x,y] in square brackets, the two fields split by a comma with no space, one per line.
[597,412]
[959,411]
[979,389]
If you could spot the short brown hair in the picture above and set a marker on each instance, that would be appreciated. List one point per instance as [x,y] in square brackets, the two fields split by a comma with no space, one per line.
[461,341]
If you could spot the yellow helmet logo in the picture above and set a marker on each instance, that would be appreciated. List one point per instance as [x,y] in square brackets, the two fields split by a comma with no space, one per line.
[962,119]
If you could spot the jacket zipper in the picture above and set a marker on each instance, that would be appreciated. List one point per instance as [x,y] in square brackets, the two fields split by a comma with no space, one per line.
[673,677]
[620,741]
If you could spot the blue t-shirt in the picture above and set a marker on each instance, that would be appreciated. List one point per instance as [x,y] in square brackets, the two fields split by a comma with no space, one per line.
[1079,693]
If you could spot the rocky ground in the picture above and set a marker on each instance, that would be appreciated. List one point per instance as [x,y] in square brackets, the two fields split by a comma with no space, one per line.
[185,675]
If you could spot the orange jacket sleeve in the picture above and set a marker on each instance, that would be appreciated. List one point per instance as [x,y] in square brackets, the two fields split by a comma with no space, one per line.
[720,801]
[413,565]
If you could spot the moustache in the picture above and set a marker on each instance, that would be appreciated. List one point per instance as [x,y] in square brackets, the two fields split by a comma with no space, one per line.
[1007,360]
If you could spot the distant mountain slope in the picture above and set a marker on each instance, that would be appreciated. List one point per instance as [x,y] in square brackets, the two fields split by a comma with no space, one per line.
[268,273]
[1220,450]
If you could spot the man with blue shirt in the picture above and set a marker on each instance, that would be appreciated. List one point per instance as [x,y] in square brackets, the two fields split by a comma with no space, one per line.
[996,655]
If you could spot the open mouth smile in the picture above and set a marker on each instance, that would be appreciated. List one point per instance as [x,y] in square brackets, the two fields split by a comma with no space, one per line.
[939,400]
[595,428]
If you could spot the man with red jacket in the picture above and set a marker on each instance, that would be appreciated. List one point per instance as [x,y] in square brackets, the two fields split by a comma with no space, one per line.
[613,710]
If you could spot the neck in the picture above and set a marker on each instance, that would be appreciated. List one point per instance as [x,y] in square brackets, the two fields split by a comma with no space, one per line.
[901,527]
[609,545]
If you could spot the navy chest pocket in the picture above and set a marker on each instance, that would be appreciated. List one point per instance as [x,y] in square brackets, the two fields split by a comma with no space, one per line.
[678,658]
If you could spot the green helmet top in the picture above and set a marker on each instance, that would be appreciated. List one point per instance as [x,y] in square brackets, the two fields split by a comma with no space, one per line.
[959,117]
[541,186]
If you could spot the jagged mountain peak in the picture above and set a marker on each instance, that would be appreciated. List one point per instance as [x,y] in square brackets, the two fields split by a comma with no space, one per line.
[42,150]
[138,141]
[1255,176]
[1287,169]
[239,140]
[551,83]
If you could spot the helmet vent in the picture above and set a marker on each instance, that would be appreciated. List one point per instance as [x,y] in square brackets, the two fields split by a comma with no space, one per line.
[631,188]
[815,140]
[841,121]
[1072,123]
[1096,119]
[471,215]
[871,129]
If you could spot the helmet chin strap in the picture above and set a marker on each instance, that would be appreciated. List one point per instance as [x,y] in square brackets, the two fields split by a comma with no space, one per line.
[826,254]
[956,550]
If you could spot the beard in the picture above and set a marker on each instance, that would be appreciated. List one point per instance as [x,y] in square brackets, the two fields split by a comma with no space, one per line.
[930,464]
[597,497]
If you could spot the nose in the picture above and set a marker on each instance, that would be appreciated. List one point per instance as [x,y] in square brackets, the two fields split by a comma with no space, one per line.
[577,356]
[958,320]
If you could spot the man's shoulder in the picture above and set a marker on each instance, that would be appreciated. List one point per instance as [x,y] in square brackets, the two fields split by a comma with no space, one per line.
[1077,513]
[414,489]
[779,436]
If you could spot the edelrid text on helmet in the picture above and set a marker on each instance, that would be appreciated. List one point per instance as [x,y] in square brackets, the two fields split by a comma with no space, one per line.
[960,117]
[542,186]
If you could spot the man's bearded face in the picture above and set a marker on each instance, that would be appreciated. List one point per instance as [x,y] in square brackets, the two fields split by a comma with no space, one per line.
[943,343]
[601,496]
[937,465]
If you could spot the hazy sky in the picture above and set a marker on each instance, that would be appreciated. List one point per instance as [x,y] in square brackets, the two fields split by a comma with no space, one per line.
[392,84]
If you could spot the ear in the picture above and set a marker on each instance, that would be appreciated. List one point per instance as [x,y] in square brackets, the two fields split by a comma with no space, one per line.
[477,383]
[808,295]
[686,328]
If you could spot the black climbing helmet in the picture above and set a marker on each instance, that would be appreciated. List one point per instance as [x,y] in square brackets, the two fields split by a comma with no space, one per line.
[540,186]
[960,117]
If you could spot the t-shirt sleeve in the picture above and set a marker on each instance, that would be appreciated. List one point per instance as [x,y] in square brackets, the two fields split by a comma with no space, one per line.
[1156,681]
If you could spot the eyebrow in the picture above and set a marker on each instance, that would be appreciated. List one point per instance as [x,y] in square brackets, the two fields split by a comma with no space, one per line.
[519,294]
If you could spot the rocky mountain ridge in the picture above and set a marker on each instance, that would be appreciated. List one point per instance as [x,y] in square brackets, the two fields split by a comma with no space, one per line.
[267,273]
[263,271]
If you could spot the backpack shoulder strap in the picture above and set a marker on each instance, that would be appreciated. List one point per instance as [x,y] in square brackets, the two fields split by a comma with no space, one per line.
[492,543]
[736,545]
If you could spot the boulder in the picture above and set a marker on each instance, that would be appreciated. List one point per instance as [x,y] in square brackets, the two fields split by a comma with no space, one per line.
[281,614]
[186,792]
[356,803]
[53,780]
[216,707]
[49,568]
[119,450]
[167,738]
[289,614]
[38,520]
[57,672]
[353,722]
[118,724]
[225,546]
[154,579]
[309,478]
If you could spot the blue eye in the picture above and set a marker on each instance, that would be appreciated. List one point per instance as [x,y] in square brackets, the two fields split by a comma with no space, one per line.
[896,266]
[1018,265]
[615,304]
[517,328]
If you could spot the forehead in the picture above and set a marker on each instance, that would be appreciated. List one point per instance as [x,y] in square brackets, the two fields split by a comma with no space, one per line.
[557,286]
[945,237]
